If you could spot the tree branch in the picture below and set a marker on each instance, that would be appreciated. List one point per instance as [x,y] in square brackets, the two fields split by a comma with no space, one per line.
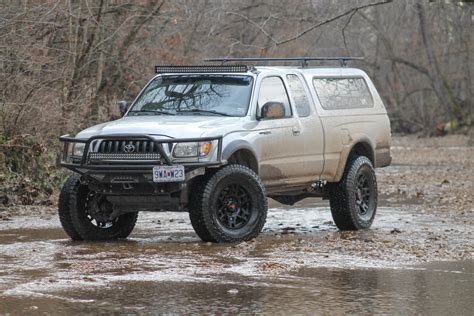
[256,24]
[344,30]
[410,64]
[309,29]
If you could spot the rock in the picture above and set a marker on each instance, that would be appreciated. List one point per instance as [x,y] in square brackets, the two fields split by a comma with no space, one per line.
[288,230]
[88,279]
[233,291]
[4,199]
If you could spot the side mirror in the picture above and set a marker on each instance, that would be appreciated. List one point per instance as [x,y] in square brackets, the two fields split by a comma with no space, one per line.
[123,107]
[272,110]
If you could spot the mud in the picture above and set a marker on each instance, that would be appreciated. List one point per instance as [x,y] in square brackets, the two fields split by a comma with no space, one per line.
[417,257]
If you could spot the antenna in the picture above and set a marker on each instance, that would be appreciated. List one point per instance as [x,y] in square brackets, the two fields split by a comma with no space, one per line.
[303,60]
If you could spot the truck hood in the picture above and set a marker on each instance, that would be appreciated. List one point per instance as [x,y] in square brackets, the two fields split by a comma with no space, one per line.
[168,126]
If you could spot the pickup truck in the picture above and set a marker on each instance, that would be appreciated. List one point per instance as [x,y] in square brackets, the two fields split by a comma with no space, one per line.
[216,141]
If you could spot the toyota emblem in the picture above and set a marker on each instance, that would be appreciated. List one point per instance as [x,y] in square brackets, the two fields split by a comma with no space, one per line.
[129,148]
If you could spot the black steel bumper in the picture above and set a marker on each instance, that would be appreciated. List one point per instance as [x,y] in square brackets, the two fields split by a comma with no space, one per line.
[83,165]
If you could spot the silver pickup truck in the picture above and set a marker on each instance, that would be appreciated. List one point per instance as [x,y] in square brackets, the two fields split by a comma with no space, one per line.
[216,141]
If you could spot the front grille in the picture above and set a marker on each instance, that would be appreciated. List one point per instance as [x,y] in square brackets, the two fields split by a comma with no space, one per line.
[119,146]
[124,150]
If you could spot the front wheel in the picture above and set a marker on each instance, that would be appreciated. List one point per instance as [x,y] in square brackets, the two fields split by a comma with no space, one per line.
[228,206]
[85,214]
[353,200]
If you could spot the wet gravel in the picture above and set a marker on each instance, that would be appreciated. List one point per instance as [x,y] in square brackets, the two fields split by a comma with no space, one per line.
[437,173]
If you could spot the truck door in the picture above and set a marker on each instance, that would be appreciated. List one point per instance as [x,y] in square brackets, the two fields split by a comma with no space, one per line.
[311,130]
[278,139]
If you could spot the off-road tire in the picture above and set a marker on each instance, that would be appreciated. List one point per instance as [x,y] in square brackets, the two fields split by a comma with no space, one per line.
[72,214]
[344,195]
[205,196]
[64,213]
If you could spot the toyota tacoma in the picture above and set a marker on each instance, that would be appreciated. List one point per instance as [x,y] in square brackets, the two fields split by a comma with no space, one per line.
[216,141]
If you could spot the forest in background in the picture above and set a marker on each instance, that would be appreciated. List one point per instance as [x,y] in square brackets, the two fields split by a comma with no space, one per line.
[64,63]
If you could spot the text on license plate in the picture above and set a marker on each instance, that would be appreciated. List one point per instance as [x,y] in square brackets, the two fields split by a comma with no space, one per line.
[173,173]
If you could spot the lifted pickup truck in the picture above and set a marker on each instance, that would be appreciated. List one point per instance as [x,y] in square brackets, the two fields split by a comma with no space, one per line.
[216,141]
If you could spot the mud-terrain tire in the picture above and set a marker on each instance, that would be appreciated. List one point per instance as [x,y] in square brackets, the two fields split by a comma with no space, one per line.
[353,200]
[76,222]
[64,213]
[228,206]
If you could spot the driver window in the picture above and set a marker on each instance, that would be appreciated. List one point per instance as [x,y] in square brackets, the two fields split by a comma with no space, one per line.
[273,89]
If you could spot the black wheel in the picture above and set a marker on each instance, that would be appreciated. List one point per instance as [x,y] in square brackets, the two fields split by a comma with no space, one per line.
[84,214]
[353,200]
[69,187]
[228,206]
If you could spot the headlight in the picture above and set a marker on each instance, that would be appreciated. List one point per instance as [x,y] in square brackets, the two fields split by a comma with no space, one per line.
[184,150]
[78,149]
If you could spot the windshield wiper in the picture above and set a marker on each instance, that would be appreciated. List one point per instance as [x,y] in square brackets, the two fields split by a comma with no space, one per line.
[156,112]
[204,111]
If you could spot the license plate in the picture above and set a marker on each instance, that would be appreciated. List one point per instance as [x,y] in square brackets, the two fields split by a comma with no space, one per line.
[168,173]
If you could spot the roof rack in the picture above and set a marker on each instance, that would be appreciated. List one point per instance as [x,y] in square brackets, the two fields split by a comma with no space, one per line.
[200,69]
[303,60]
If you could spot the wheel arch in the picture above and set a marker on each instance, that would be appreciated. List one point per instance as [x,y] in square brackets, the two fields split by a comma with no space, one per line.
[240,152]
[360,146]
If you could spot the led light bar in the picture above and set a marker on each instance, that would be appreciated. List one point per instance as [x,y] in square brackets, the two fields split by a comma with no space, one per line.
[124,156]
[200,69]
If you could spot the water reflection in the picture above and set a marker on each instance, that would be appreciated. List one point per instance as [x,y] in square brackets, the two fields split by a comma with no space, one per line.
[444,288]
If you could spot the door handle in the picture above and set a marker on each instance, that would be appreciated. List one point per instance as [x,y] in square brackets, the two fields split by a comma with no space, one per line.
[265,132]
[296,132]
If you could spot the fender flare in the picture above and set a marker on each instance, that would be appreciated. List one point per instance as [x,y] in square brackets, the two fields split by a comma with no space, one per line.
[236,145]
[355,139]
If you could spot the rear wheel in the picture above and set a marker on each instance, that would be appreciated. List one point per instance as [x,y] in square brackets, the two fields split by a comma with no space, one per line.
[86,215]
[228,206]
[353,200]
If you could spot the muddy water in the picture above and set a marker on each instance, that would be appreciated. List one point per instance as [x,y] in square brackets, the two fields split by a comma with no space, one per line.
[300,264]
[434,289]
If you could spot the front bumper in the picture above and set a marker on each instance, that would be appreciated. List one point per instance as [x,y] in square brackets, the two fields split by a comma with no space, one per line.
[141,169]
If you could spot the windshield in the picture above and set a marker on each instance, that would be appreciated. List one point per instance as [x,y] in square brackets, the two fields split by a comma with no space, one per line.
[224,95]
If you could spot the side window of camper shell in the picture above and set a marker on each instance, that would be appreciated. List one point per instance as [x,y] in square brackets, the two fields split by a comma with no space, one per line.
[343,93]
